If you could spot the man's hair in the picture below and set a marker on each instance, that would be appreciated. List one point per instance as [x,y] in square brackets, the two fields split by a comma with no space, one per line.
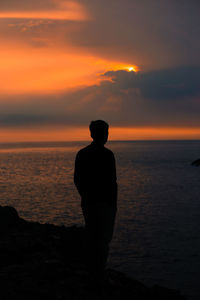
[98,127]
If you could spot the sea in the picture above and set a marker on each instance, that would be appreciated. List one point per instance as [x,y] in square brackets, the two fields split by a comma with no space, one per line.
[157,231]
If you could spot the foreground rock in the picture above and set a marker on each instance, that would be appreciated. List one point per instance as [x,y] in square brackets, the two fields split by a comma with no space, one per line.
[43,261]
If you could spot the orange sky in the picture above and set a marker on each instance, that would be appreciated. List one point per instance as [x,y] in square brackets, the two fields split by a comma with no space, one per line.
[31,70]
[40,55]
[26,68]
[115,133]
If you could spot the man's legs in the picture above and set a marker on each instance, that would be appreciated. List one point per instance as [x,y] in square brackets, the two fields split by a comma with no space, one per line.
[99,225]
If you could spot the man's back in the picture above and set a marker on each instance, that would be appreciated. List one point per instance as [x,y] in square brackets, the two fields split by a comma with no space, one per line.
[95,175]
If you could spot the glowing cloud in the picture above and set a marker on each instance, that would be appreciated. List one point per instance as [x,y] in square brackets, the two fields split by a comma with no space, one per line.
[31,70]
[65,11]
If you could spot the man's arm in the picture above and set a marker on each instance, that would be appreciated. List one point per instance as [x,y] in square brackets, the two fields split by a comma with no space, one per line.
[114,176]
[78,174]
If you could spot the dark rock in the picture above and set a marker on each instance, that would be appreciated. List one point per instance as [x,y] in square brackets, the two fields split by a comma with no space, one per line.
[43,261]
[8,217]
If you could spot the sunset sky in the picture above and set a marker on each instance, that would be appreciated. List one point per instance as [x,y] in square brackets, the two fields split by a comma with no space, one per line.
[133,63]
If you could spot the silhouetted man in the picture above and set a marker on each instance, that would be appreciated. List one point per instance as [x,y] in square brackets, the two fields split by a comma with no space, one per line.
[95,179]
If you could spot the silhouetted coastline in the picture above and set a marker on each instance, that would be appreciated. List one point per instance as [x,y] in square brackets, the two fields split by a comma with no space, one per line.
[44,261]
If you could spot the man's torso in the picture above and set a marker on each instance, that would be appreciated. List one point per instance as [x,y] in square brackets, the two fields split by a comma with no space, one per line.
[95,175]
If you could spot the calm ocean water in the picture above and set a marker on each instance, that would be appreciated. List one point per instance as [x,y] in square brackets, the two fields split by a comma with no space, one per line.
[157,236]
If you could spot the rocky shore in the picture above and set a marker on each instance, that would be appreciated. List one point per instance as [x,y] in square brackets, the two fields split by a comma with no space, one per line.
[43,261]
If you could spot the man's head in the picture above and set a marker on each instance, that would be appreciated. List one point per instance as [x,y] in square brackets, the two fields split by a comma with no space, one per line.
[99,131]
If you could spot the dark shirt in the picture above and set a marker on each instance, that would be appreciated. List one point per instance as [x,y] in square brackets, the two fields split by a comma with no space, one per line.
[95,175]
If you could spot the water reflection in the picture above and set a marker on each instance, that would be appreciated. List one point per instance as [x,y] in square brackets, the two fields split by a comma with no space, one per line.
[156,238]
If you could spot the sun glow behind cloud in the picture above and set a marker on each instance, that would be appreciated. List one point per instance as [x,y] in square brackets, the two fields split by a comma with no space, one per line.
[110,65]
[58,66]
[30,70]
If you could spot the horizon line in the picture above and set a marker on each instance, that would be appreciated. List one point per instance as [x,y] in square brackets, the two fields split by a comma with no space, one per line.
[81,141]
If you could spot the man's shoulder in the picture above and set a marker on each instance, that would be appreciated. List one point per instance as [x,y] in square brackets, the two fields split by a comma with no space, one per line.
[88,150]
[84,151]
[108,151]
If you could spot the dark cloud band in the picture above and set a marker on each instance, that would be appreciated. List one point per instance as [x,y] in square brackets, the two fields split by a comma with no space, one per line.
[158,98]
